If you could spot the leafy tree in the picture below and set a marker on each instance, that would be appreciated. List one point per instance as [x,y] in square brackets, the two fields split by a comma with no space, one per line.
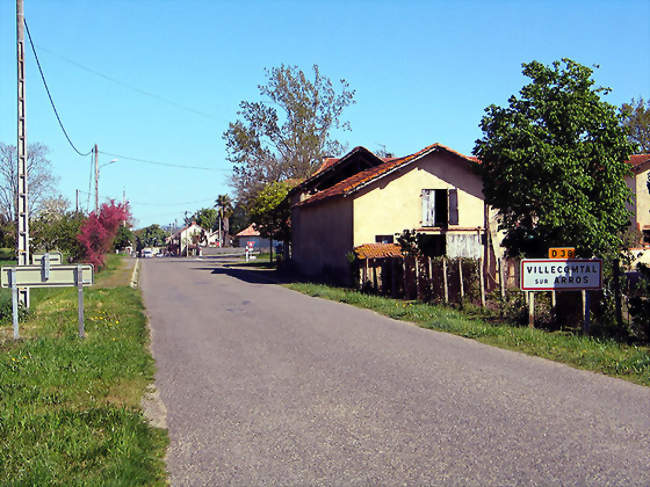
[51,231]
[271,211]
[636,119]
[240,218]
[286,135]
[225,209]
[553,164]
[124,238]
[206,218]
[151,236]
[39,174]
[98,231]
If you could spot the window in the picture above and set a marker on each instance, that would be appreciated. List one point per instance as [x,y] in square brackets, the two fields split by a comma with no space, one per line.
[646,237]
[439,207]
[384,239]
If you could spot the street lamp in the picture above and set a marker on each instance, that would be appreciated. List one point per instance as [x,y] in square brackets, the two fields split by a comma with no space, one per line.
[97,168]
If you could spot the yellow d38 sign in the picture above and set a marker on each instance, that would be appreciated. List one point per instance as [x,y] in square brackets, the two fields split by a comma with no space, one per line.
[561,253]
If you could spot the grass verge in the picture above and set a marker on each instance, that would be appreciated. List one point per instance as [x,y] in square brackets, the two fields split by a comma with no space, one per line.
[70,408]
[605,356]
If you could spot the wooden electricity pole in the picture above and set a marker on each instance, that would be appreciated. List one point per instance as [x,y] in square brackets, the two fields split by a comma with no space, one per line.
[96,180]
[22,207]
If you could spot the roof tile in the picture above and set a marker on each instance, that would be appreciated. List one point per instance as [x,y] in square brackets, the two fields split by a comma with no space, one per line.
[353,182]
[377,251]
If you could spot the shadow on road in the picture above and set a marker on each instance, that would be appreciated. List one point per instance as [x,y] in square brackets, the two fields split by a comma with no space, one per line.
[254,276]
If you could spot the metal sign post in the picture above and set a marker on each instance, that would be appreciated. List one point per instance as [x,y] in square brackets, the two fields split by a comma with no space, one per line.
[14,302]
[80,300]
[44,274]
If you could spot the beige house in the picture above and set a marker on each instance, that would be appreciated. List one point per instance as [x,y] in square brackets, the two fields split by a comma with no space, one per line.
[186,240]
[638,184]
[363,199]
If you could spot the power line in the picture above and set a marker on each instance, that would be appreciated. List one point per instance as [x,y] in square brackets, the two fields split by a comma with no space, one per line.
[47,89]
[180,203]
[158,163]
[131,87]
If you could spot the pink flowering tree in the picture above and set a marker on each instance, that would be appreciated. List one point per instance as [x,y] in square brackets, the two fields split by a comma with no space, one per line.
[97,233]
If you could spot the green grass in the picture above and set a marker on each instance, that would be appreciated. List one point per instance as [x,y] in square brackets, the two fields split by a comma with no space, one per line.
[70,408]
[605,356]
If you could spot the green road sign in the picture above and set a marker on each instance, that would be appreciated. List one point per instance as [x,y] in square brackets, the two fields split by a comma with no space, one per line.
[47,276]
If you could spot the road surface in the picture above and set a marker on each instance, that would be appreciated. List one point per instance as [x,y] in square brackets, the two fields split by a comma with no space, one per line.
[266,386]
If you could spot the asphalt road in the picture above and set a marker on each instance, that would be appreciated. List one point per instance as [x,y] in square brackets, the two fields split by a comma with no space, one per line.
[265,386]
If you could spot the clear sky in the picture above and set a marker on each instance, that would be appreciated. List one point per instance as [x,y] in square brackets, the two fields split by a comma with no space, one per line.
[423,73]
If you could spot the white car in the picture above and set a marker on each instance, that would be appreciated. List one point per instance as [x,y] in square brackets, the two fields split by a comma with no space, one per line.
[147,253]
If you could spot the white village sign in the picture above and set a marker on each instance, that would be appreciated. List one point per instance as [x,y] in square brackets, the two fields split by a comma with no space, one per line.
[560,274]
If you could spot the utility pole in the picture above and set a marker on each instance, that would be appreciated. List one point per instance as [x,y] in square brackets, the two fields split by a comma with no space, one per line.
[22,207]
[96,180]
[77,201]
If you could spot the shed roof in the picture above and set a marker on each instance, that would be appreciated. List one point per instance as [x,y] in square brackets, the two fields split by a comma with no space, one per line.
[377,251]
[249,231]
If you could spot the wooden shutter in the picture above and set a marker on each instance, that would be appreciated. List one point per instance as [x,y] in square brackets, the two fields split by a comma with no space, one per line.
[428,207]
[453,207]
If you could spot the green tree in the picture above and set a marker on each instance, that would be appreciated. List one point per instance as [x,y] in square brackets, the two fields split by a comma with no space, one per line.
[287,134]
[206,218]
[240,218]
[636,119]
[50,231]
[271,212]
[124,238]
[151,236]
[225,209]
[553,164]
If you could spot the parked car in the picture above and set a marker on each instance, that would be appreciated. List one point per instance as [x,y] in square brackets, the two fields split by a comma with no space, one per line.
[147,253]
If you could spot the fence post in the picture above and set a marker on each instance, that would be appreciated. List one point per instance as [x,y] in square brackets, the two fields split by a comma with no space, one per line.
[531,309]
[460,278]
[366,276]
[617,293]
[502,284]
[393,277]
[404,277]
[417,277]
[585,311]
[374,276]
[430,278]
[445,287]
[481,282]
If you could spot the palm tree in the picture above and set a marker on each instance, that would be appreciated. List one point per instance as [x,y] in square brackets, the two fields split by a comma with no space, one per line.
[224,206]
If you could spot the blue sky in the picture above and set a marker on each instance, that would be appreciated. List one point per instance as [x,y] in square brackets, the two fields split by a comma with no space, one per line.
[423,72]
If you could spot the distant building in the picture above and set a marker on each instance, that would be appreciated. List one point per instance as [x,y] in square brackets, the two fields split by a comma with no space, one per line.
[249,234]
[638,184]
[188,240]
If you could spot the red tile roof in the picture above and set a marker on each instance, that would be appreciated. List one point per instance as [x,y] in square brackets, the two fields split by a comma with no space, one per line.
[329,165]
[327,162]
[377,251]
[639,162]
[249,231]
[361,178]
